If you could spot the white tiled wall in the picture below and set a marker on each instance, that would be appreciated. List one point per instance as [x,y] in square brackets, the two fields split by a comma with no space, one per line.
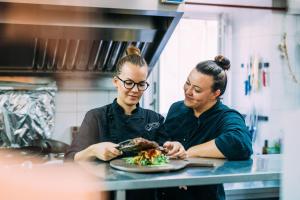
[71,107]
[87,100]
[259,32]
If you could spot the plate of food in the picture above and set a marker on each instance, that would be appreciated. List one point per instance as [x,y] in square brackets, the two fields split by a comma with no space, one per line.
[148,161]
[151,158]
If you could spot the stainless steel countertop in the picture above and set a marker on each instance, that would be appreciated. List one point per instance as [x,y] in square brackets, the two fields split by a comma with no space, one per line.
[259,168]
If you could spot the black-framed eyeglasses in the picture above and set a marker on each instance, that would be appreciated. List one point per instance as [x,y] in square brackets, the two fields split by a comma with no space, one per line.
[129,84]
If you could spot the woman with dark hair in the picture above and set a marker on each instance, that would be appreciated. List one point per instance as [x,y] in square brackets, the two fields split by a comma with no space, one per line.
[103,128]
[205,126]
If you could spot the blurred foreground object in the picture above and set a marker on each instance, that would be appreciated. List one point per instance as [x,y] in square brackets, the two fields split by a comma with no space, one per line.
[28,181]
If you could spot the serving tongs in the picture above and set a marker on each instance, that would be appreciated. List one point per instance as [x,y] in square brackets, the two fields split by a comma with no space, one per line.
[131,146]
[127,146]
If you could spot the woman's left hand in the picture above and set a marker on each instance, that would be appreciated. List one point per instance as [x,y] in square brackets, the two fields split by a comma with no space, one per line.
[175,149]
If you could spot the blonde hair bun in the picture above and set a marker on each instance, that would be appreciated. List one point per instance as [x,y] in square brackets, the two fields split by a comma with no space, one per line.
[132,50]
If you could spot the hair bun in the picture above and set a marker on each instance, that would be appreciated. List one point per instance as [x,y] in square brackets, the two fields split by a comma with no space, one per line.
[132,50]
[223,62]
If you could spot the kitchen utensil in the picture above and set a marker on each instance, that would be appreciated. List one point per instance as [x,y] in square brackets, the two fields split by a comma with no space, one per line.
[136,145]
[50,146]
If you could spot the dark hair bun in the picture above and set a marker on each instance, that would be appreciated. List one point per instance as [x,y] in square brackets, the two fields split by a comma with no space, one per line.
[132,50]
[223,62]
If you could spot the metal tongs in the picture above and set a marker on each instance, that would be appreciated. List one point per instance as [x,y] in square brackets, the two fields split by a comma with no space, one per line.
[127,146]
[130,146]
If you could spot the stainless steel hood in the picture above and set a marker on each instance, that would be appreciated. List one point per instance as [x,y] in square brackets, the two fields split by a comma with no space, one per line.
[82,37]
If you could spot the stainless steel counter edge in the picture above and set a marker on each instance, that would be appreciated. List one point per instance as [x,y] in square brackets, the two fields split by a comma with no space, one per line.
[201,180]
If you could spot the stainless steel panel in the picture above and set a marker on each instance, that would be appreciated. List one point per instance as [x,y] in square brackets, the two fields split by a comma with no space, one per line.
[65,53]
[84,51]
[71,55]
[104,55]
[113,56]
[52,52]
[58,37]
[76,49]
[259,168]
[94,54]
[54,58]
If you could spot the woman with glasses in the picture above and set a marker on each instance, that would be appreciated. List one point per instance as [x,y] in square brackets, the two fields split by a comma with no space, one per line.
[205,126]
[103,128]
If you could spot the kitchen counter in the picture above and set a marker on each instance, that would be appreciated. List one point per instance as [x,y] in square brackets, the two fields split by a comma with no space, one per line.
[259,168]
[253,190]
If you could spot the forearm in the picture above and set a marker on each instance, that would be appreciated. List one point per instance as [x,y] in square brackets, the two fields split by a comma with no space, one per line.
[85,155]
[208,150]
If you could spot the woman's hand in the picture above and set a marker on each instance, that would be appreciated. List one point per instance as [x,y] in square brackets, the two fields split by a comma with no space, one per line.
[105,151]
[175,149]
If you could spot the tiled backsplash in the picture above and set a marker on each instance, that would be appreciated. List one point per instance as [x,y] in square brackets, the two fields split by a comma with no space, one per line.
[71,107]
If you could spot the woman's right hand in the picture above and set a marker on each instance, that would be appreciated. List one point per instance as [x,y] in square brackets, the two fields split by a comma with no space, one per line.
[105,151]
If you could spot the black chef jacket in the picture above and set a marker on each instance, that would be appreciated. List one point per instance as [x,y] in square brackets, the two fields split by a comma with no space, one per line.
[110,124]
[221,123]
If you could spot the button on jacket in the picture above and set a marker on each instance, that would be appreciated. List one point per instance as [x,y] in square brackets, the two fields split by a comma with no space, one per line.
[110,124]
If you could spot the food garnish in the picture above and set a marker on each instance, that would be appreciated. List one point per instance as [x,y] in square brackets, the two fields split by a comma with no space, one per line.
[148,158]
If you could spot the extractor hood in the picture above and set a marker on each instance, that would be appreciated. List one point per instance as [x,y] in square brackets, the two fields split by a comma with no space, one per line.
[89,37]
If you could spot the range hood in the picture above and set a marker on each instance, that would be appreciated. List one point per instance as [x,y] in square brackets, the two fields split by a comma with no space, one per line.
[87,37]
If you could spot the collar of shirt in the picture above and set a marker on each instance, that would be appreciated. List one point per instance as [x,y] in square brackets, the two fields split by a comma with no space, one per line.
[210,110]
[136,113]
[205,114]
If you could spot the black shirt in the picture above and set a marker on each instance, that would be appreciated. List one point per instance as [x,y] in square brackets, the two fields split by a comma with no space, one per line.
[110,124]
[225,125]
[221,123]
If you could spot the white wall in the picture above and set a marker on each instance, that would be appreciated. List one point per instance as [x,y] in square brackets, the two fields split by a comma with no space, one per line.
[71,106]
[193,41]
[291,164]
[259,32]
